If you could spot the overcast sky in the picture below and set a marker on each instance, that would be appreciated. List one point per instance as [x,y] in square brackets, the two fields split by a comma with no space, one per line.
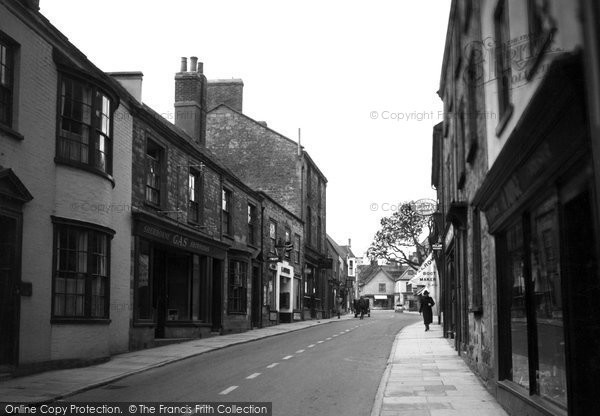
[358,77]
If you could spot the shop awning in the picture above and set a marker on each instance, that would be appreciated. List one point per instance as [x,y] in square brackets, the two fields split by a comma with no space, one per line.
[381,297]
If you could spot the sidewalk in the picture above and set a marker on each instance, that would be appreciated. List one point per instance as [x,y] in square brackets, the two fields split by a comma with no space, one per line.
[426,377]
[53,385]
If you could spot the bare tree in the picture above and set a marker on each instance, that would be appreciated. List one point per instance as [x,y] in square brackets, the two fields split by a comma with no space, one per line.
[400,236]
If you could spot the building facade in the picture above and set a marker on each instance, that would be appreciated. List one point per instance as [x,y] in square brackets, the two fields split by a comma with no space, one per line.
[280,167]
[514,166]
[65,193]
[283,252]
[196,227]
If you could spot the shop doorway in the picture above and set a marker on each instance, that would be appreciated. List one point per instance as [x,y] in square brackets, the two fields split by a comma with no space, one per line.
[582,285]
[9,293]
[256,285]
[217,295]
[172,283]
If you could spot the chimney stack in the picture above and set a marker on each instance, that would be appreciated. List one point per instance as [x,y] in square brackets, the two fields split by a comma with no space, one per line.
[193,63]
[349,242]
[225,91]
[131,81]
[190,100]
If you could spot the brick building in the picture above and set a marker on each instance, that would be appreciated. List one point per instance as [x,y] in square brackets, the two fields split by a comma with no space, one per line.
[515,165]
[65,193]
[280,167]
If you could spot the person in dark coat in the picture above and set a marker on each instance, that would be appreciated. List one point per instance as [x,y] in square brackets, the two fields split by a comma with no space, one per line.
[425,309]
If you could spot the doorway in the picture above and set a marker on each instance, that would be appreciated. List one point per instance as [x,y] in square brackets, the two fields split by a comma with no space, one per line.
[9,293]
[217,295]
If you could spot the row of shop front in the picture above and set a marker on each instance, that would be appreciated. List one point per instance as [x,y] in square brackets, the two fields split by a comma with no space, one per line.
[189,286]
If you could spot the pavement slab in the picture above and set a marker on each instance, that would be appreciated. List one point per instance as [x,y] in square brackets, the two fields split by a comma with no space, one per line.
[425,376]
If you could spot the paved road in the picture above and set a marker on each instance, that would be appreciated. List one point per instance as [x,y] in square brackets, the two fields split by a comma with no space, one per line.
[331,369]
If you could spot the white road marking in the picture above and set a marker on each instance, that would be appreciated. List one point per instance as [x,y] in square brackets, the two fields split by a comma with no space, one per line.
[328,339]
[287,357]
[320,342]
[272,365]
[299,351]
[311,345]
[251,376]
[229,390]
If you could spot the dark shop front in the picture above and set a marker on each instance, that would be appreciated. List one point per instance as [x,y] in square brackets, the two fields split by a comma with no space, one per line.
[178,277]
[539,201]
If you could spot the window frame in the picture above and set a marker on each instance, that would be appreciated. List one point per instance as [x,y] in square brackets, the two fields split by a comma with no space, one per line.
[162,151]
[95,125]
[11,47]
[298,240]
[252,221]
[502,67]
[272,236]
[287,239]
[195,206]
[61,224]
[226,211]
[237,294]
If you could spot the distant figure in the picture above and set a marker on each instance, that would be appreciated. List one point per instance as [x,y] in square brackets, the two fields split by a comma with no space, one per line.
[362,306]
[425,309]
[338,306]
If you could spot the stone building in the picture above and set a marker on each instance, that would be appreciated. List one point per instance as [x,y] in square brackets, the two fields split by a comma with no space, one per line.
[195,225]
[283,253]
[280,167]
[65,196]
[515,165]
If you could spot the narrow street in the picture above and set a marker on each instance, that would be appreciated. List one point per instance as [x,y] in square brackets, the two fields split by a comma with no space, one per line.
[337,367]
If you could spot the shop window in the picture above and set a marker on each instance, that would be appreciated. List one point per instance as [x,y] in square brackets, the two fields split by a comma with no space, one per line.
[154,162]
[7,66]
[194,196]
[143,289]
[81,275]
[296,293]
[85,132]
[178,284]
[227,211]
[550,373]
[237,293]
[536,315]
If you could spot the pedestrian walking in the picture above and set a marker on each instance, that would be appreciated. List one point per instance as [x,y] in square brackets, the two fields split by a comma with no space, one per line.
[425,309]
[338,306]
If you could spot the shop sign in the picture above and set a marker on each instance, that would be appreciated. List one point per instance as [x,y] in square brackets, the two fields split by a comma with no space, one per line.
[175,239]
[424,207]
[436,247]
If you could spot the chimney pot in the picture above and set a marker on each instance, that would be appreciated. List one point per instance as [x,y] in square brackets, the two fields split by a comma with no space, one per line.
[183,64]
[193,63]
[200,67]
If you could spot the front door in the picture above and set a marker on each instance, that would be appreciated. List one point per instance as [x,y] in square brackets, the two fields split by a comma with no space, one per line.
[9,294]
[256,285]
